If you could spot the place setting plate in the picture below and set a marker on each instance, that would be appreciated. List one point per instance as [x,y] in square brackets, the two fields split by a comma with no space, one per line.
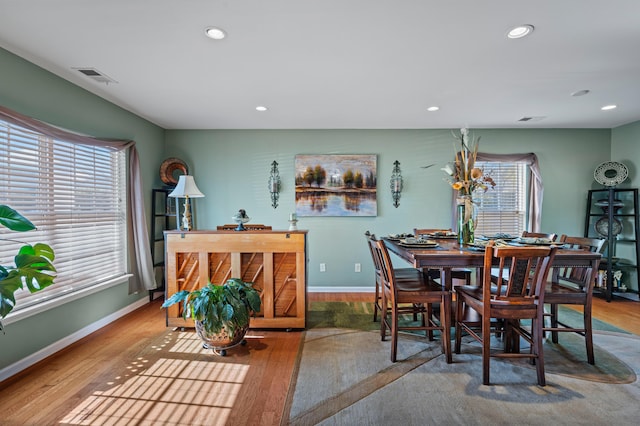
[417,243]
[442,235]
[499,236]
[398,237]
[530,241]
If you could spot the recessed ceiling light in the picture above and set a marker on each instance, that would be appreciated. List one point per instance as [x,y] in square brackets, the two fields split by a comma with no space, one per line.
[433,108]
[520,31]
[580,92]
[261,108]
[215,33]
[608,107]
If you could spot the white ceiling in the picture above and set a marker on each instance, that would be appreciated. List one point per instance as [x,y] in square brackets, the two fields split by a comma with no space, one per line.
[342,64]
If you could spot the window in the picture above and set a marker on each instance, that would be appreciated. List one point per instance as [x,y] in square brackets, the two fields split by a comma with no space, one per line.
[503,209]
[75,195]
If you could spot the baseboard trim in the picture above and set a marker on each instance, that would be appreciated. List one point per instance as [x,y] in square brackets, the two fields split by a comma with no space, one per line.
[38,356]
[340,290]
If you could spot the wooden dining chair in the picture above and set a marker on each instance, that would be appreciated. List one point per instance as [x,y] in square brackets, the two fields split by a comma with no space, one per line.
[400,273]
[458,273]
[424,293]
[518,297]
[573,286]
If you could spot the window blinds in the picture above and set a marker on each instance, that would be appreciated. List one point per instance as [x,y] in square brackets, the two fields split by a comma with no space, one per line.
[75,195]
[503,208]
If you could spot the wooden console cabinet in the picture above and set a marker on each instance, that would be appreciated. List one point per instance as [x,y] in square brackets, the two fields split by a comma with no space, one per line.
[275,261]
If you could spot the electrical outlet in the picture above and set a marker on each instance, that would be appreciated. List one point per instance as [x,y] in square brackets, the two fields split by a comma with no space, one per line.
[323,267]
[358,268]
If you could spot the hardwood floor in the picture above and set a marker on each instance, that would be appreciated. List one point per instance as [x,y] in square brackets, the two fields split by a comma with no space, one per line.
[112,367]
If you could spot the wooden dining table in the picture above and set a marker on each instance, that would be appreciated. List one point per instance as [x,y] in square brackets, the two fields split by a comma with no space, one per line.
[448,255]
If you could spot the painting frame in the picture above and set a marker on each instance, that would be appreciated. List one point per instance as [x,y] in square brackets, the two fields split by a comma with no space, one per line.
[342,185]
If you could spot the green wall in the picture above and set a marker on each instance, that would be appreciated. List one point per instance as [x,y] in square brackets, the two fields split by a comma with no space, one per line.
[625,148]
[32,91]
[231,168]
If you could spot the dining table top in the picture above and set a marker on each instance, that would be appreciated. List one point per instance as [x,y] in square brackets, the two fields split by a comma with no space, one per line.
[447,254]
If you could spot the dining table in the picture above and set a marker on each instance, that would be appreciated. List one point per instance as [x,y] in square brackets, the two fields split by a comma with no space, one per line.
[446,254]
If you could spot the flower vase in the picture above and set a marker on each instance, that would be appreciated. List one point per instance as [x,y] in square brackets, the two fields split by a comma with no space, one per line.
[467,215]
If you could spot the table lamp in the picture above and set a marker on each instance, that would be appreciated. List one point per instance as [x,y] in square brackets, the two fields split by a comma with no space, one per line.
[186,188]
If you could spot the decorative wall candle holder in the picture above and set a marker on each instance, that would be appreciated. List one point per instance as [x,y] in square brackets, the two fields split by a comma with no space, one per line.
[274,184]
[396,184]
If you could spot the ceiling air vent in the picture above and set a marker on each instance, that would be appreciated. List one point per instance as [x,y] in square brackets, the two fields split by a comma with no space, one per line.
[95,75]
[532,119]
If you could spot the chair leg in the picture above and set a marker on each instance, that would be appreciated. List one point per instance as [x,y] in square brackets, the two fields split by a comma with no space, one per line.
[445,322]
[429,318]
[486,349]
[536,330]
[384,311]
[554,322]
[588,335]
[457,319]
[376,305]
[394,334]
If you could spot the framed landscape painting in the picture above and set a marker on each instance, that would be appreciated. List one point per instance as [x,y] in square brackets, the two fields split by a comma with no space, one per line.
[336,185]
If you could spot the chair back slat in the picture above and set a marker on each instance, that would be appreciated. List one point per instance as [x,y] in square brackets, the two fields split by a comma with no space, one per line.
[550,236]
[386,269]
[372,243]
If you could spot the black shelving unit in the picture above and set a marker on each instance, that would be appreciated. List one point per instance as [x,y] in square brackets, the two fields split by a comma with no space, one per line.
[616,219]
[164,216]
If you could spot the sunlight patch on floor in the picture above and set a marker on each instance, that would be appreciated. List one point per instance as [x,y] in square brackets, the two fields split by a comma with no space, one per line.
[168,391]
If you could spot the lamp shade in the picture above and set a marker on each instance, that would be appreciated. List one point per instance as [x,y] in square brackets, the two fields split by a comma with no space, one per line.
[186,187]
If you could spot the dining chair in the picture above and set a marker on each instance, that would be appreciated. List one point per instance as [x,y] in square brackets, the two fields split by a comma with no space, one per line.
[573,286]
[518,297]
[424,293]
[458,273]
[400,273]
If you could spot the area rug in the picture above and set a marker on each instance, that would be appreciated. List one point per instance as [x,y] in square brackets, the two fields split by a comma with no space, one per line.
[345,377]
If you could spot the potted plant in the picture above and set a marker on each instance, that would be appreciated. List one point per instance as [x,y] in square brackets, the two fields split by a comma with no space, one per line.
[33,264]
[221,312]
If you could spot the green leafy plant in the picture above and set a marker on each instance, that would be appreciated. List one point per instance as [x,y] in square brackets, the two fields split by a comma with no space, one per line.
[227,306]
[33,264]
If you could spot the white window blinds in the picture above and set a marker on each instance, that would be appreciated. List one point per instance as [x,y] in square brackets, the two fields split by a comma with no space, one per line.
[75,195]
[503,208]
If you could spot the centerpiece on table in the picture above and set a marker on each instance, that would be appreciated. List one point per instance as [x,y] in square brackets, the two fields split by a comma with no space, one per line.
[466,178]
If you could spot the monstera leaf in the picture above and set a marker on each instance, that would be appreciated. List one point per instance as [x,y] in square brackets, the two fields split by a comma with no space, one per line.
[33,264]
[14,220]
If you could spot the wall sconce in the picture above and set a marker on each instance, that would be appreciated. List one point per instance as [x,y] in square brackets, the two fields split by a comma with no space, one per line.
[186,188]
[274,184]
[396,184]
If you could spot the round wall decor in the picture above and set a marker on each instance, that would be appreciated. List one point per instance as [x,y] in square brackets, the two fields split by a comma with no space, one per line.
[610,173]
[168,167]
